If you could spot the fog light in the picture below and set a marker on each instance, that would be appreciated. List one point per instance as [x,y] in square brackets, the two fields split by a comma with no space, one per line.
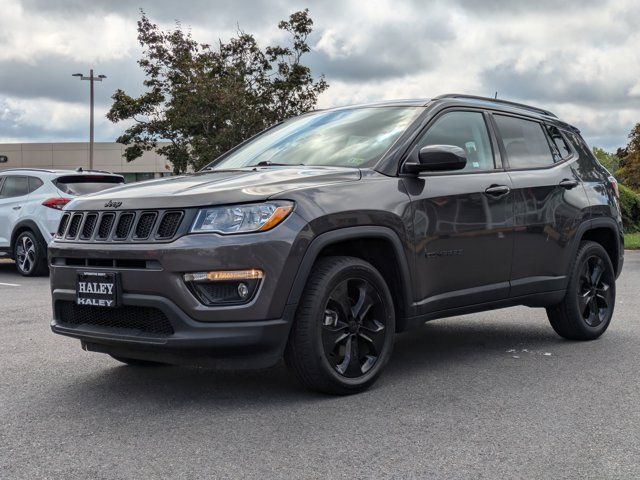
[243,291]
[224,287]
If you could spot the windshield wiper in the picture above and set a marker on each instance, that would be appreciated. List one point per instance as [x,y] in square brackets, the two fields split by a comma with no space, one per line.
[269,163]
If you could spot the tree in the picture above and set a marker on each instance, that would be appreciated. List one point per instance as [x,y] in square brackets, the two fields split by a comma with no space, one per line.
[610,161]
[629,172]
[205,100]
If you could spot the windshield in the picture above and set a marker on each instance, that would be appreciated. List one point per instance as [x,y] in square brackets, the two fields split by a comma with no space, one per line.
[345,138]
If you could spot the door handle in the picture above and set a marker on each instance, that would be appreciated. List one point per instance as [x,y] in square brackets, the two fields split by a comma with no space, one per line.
[568,183]
[497,190]
[18,207]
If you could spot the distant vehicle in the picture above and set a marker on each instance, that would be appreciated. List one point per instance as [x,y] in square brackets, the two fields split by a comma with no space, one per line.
[31,203]
[322,237]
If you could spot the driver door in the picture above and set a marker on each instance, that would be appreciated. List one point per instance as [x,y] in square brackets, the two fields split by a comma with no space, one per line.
[463,220]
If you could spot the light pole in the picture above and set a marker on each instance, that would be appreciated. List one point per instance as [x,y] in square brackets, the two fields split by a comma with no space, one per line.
[91,79]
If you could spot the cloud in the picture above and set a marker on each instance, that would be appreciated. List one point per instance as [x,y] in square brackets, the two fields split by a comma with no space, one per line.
[578,58]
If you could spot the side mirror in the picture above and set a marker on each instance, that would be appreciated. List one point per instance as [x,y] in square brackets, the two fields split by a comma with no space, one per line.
[437,158]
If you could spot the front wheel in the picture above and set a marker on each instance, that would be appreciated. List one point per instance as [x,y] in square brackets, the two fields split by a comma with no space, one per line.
[344,329]
[587,307]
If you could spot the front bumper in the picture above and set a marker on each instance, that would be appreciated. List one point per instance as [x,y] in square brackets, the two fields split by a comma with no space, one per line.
[252,334]
[252,344]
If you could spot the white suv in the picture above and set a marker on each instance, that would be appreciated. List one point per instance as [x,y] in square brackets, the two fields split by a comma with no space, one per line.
[31,203]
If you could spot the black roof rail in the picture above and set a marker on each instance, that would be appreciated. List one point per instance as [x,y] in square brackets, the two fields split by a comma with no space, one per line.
[496,100]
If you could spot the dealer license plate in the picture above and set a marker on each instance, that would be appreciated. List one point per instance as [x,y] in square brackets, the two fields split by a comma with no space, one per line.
[97,289]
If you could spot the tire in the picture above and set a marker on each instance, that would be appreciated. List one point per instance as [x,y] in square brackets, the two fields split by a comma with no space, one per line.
[30,254]
[346,307]
[134,362]
[587,307]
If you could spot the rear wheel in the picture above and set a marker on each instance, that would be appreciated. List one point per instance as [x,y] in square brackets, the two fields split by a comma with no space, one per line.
[587,308]
[344,329]
[134,362]
[30,254]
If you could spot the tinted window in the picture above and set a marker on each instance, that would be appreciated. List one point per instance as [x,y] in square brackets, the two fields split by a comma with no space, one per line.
[34,183]
[525,142]
[559,144]
[466,130]
[83,185]
[14,187]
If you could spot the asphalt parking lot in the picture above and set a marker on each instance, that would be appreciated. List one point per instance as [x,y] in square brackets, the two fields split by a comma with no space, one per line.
[491,395]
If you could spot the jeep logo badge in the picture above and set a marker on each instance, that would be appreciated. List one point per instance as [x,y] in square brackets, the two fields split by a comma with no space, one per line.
[112,204]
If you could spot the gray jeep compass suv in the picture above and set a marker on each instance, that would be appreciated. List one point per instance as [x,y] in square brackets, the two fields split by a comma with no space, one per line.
[320,238]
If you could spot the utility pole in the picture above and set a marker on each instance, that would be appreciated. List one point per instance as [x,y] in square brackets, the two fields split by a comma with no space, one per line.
[91,79]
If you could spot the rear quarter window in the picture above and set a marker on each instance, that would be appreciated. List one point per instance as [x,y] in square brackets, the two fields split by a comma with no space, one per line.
[525,142]
[561,148]
[34,184]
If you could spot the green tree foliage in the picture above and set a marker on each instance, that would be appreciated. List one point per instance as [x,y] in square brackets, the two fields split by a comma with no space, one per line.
[608,160]
[630,206]
[629,172]
[206,99]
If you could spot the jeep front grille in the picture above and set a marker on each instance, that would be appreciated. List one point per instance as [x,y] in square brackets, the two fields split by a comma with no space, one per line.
[64,222]
[145,225]
[89,224]
[126,226]
[169,224]
[106,222]
[74,226]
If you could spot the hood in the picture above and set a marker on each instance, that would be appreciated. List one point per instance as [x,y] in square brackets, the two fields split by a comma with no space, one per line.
[214,188]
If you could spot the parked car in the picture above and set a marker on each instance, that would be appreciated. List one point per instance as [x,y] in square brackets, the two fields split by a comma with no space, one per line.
[322,237]
[31,203]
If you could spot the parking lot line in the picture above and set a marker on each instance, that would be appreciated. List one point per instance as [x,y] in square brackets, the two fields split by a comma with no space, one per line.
[9,284]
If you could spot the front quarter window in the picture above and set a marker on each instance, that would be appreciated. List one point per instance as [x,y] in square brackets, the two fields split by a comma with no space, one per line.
[356,137]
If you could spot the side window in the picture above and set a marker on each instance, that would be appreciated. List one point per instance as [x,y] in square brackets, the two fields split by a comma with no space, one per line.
[14,187]
[34,184]
[525,142]
[558,143]
[466,130]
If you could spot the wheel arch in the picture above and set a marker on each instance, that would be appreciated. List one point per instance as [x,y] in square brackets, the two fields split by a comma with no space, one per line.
[606,232]
[380,246]
[23,226]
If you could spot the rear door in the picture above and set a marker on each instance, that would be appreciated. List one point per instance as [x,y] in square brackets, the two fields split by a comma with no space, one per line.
[463,221]
[549,202]
[13,196]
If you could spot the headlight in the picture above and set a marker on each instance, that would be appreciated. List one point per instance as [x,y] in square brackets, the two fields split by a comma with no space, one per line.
[257,217]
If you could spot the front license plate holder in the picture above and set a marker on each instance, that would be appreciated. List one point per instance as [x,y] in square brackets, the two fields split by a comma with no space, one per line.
[98,289]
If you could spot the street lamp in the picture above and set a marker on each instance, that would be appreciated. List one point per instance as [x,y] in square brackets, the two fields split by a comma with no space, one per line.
[91,79]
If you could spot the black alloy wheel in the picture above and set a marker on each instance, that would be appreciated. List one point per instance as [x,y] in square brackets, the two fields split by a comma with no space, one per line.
[586,310]
[344,329]
[353,329]
[595,297]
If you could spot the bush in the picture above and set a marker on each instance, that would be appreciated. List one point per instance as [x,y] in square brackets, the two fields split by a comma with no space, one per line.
[630,206]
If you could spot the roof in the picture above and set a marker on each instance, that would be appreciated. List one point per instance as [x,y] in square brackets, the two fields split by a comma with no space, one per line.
[463,99]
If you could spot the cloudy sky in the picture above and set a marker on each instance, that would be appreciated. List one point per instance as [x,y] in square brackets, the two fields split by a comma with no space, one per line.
[579,59]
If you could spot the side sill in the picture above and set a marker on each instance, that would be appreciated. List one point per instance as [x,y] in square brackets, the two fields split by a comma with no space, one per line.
[537,300]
